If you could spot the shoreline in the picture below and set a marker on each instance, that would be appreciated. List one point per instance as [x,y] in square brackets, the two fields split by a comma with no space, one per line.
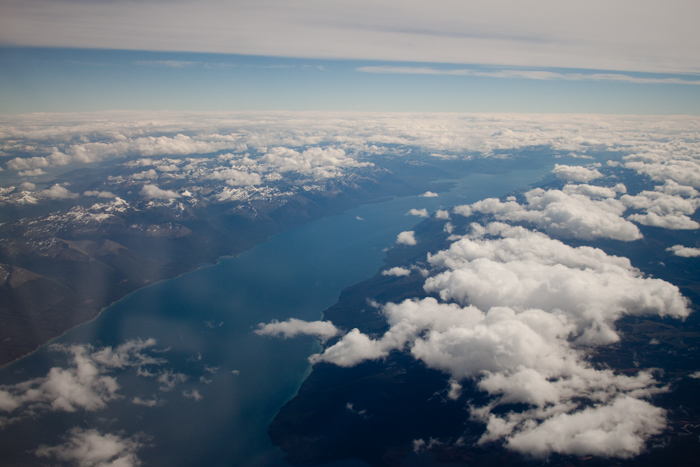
[202,265]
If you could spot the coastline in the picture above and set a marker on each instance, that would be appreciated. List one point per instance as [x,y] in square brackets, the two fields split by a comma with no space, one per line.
[273,229]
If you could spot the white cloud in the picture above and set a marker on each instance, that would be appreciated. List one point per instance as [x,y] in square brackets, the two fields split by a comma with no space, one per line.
[29,186]
[100,194]
[31,173]
[168,168]
[86,385]
[684,251]
[29,163]
[442,214]
[617,429]
[592,191]
[57,192]
[152,191]
[672,188]
[668,221]
[352,349]
[323,330]
[592,288]
[91,448]
[570,173]
[563,213]
[396,271]
[463,210]
[679,164]
[235,177]
[429,194]
[406,238]
[669,211]
[149,174]
[193,394]
[145,162]
[418,212]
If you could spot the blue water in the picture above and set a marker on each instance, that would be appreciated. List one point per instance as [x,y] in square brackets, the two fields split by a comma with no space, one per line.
[205,320]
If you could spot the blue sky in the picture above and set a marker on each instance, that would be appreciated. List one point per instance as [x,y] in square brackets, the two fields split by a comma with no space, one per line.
[629,57]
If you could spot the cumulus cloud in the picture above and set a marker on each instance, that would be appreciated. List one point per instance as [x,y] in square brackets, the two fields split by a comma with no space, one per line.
[352,349]
[149,174]
[617,429]
[235,177]
[429,194]
[30,163]
[684,251]
[572,173]
[418,212]
[100,194]
[193,394]
[442,214]
[92,448]
[168,168]
[85,385]
[594,192]
[569,213]
[29,186]
[57,192]
[673,188]
[323,330]
[525,269]
[407,237]
[661,209]
[397,272]
[682,167]
[152,191]
[31,173]
[668,221]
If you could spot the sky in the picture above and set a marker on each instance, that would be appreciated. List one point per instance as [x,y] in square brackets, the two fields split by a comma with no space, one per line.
[622,56]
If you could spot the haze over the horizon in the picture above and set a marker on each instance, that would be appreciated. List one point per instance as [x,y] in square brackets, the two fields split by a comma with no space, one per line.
[503,56]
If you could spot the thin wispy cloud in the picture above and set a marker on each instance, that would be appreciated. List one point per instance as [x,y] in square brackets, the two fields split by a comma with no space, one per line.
[167,63]
[527,74]
[628,35]
[210,65]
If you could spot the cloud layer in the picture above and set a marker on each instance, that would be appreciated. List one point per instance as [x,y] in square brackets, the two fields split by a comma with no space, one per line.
[657,38]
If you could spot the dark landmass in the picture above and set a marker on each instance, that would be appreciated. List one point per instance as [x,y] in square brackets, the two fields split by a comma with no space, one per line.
[374,411]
